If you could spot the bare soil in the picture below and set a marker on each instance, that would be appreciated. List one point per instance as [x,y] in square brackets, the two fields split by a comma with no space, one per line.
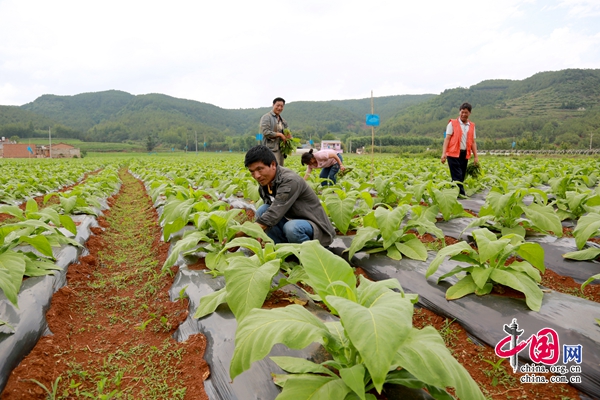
[112,324]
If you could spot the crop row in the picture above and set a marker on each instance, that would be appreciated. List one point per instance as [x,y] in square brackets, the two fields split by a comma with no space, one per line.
[202,207]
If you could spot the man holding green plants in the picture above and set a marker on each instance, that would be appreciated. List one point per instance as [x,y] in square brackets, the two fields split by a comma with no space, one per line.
[272,126]
[292,212]
[459,143]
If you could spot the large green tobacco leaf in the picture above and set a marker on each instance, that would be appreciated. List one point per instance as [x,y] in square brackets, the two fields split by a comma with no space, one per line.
[172,227]
[297,365]
[461,288]
[412,248]
[544,218]
[534,253]
[221,220]
[256,335]
[177,209]
[254,230]
[68,203]
[480,276]
[404,378]
[389,221]
[313,387]
[39,267]
[12,268]
[248,283]
[488,245]
[12,210]
[446,200]
[587,226]
[354,378]
[325,270]
[448,251]
[40,243]
[587,254]
[376,331]
[369,291]
[363,235]
[590,280]
[190,241]
[209,303]
[522,283]
[67,222]
[424,354]
[527,268]
[340,211]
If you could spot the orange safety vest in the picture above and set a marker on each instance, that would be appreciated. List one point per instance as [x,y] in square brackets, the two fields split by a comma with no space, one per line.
[453,149]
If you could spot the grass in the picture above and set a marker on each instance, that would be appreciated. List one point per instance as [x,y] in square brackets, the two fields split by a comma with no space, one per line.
[126,281]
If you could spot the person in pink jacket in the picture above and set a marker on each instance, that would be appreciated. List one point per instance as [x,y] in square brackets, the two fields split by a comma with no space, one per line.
[329,160]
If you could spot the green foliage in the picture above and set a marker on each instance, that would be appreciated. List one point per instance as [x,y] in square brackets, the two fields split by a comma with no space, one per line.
[373,339]
[587,227]
[547,110]
[384,231]
[503,211]
[487,266]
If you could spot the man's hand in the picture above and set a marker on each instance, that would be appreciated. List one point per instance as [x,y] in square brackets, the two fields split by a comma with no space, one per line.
[342,168]
[282,136]
[443,159]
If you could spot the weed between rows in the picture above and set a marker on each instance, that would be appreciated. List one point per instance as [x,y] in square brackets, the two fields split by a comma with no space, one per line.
[122,292]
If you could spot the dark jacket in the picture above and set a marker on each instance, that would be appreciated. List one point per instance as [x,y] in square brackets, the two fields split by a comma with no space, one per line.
[294,199]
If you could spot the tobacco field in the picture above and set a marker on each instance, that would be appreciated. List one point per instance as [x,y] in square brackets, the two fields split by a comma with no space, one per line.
[122,278]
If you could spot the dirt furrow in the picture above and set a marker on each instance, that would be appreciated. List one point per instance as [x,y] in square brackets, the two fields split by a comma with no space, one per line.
[112,324]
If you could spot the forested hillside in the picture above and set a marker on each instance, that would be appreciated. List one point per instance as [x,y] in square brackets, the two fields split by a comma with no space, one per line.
[547,110]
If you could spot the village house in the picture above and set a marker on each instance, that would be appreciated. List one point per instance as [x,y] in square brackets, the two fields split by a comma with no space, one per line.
[61,150]
[10,149]
[332,145]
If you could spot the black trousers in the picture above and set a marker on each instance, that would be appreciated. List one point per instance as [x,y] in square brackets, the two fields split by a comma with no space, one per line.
[458,169]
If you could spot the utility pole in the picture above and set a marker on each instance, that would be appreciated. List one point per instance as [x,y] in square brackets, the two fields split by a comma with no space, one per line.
[372,142]
[205,142]
[196,132]
[50,143]
[591,134]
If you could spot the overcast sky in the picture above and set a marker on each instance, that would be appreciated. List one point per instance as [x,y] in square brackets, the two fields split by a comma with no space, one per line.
[242,54]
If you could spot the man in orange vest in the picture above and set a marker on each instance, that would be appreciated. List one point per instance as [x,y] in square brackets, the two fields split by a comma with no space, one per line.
[459,143]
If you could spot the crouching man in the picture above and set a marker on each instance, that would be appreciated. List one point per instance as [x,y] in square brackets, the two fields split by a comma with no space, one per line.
[292,212]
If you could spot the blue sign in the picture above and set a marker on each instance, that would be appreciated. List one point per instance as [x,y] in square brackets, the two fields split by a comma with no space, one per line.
[372,119]
[204,144]
[311,142]
[514,144]
[29,149]
[259,136]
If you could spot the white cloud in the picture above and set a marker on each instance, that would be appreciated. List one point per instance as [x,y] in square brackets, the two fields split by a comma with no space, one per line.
[239,54]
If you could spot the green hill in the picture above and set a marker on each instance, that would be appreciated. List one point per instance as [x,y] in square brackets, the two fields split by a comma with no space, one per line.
[546,110]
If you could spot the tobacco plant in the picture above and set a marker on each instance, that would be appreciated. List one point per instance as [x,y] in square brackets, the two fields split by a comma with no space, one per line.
[373,343]
[507,213]
[588,226]
[248,280]
[384,230]
[346,209]
[486,266]
[15,262]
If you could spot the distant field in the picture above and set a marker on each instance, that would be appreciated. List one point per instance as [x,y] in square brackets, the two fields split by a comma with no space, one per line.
[91,146]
